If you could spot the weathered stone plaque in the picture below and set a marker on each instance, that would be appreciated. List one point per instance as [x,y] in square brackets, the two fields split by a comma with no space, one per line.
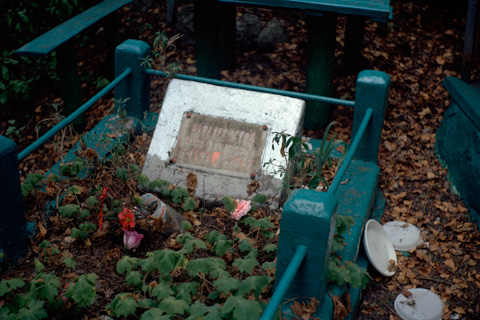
[219,145]
[223,136]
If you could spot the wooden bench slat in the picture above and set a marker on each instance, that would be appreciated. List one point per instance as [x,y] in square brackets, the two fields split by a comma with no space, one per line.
[52,39]
[379,10]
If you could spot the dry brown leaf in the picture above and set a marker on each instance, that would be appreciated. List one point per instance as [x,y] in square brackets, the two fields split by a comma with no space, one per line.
[191,183]
[449,263]
[339,310]
[305,311]
[348,301]
[252,187]
[42,231]
[440,60]
[406,293]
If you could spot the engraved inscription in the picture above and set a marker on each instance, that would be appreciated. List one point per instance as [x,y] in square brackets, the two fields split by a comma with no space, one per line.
[219,144]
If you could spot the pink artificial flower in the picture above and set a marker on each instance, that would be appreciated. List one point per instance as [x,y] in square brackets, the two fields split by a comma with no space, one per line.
[242,209]
[131,239]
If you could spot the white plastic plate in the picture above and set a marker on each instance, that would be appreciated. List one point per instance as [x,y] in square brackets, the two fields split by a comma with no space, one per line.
[422,304]
[404,236]
[378,247]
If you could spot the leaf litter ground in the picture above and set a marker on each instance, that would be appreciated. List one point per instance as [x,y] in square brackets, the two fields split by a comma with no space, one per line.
[419,48]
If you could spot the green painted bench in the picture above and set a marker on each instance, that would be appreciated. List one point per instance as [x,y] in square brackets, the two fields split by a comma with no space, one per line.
[214,22]
[457,142]
[61,38]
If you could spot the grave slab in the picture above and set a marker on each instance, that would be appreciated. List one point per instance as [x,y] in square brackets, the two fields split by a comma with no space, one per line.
[223,136]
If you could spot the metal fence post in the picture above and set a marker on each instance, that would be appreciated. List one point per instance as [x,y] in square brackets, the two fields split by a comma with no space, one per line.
[308,219]
[13,227]
[135,88]
[371,92]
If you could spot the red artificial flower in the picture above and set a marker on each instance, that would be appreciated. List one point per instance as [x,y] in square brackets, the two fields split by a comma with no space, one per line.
[127,218]
[102,198]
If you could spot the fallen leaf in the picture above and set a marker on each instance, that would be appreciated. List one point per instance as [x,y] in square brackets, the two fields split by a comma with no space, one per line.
[406,293]
[252,187]
[339,310]
[191,183]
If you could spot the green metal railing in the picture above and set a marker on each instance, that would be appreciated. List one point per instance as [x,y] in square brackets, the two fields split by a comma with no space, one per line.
[65,122]
[301,251]
[292,94]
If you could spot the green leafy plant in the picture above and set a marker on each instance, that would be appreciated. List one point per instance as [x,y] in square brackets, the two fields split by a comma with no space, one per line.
[344,272]
[190,284]
[307,166]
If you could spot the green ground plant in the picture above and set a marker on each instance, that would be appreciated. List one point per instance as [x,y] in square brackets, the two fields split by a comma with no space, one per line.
[308,168]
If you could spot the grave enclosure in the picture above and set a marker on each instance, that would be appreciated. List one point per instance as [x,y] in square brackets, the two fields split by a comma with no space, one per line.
[308,216]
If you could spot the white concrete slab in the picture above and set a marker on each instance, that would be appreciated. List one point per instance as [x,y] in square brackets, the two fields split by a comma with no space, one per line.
[277,112]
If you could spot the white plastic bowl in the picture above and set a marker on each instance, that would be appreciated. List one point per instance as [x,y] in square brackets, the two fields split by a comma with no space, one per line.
[404,236]
[423,304]
[378,247]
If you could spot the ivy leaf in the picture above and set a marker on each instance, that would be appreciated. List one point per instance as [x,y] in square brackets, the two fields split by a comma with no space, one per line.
[149,303]
[246,265]
[186,289]
[343,224]
[92,201]
[174,306]
[212,266]
[212,236]
[162,290]
[176,196]
[197,311]
[7,286]
[78,234]
[338,243]
[189,242]
[189,204]
[134,167]
[268,265]
[358,276]
[155,314]
[270,248]
[122,305]
[127,263]
[143,180]
[245,245]
[241,308]
[87,226]
[48,289]
[33,310]
[165,260]
[229,203]
[255,283]
[122,174]
[134,278]
[83,291]
[198,265]
[221,246]
[38,265]
[68,210]
[214,312]
[337,273]
[226,284]
[75,190]
[260,198]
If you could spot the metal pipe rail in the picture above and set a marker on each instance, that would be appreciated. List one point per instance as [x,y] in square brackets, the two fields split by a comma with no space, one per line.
[292,94]
[351,152]
[284,283]
[65,122]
